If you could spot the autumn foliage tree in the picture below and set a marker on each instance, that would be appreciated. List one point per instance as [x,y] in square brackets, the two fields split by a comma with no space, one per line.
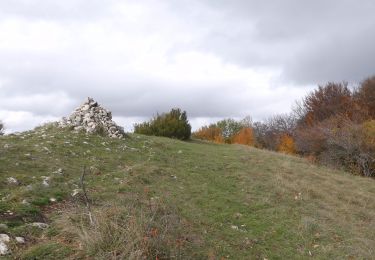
[268,133]
[209,133]
[333,126]
[224,131]
[229,128]
[286,144]
[244,136]
[326,101]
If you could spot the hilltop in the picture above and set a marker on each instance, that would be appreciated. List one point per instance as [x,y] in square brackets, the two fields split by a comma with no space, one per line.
[158,197]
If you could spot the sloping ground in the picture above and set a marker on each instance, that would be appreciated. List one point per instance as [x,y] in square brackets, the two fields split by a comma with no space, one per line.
[156,197]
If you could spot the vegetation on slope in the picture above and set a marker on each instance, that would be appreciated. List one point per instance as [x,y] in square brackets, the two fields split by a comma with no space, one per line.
[161,198]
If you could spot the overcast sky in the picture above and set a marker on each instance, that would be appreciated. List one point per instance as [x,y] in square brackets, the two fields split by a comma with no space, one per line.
[212,58]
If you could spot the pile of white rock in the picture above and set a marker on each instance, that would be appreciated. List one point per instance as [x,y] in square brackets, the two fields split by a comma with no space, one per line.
[92,118]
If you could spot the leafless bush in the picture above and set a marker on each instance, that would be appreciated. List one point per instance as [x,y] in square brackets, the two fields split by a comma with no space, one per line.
[268,133]
[347,145]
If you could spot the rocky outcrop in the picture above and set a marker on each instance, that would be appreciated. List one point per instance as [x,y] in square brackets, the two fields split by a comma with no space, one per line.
[92,118]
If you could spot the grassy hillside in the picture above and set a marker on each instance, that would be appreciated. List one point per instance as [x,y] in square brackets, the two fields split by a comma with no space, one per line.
[161,198]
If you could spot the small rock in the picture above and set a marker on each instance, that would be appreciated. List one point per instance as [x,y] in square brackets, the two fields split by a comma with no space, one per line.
[12,180]
[75,192]
[52,199]
[40,225]
[4,250]
[20,240]
[234,227]
[25,202]
[59,171]
[4,239]
[45,181]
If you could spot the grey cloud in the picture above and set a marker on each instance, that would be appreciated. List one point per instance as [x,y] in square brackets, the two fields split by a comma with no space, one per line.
[309,42]
[313,41]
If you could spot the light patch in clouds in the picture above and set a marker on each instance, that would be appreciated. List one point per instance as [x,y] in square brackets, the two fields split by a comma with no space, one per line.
[16,121]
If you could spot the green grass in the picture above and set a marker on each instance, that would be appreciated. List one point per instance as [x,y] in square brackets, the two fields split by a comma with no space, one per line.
[206,200]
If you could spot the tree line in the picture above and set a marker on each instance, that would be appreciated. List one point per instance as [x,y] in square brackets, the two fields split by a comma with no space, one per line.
[333,124]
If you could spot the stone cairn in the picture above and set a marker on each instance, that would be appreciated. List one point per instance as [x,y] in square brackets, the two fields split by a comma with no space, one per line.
[92,118]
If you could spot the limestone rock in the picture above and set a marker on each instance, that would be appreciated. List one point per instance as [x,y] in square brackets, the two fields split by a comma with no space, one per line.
[4,239]
[20,240]
[92,118]
[12,180]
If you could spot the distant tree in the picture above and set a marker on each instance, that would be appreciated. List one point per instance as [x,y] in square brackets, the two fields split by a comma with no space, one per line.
[351,145]
[326,101]
[173,124]
[268,133]
[286,144]
[244,136]
[1,128]
[366,96]
[230,127]
[310,141]
[209,133]
[224,130]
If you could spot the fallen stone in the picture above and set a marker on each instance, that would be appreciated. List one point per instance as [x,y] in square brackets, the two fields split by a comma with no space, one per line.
[45,181]
[59,171]
[40,225]
[25,202]
[20,240]
[12,181]
[75,192]
[4,239]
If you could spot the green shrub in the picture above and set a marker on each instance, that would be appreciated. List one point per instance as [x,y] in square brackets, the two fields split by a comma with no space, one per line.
[173,124]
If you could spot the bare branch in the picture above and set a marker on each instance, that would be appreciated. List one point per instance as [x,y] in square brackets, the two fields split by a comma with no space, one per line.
[87,201]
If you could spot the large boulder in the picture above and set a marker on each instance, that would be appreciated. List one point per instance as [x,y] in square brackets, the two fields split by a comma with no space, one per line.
[92,118]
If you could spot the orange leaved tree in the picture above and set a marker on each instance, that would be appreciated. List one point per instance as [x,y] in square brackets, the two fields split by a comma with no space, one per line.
[287,144]
[244,136]
[210,133]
